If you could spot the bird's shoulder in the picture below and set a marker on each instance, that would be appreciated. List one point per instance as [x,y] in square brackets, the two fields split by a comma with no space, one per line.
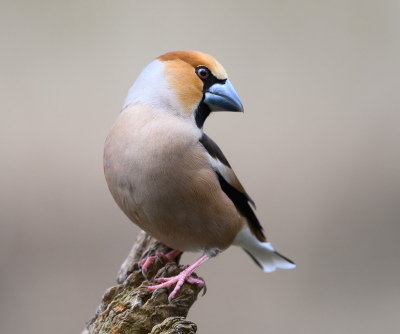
[221,164]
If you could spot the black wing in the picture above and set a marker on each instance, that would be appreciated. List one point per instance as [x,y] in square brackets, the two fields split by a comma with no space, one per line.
[231,185]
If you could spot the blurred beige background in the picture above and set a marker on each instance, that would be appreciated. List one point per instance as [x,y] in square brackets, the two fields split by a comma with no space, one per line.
[318,149]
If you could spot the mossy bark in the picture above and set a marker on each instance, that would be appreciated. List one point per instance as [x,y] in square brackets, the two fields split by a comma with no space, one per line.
[129,308]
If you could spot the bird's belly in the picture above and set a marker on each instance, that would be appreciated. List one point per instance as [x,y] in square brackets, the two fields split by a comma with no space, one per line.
[186,211]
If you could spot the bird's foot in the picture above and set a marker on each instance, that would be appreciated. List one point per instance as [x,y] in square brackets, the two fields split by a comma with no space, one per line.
[145,263]
[179,280]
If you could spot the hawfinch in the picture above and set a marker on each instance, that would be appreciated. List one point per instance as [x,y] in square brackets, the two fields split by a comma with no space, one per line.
[170,178]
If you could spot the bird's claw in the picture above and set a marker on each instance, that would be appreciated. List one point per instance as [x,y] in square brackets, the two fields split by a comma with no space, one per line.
[180,279]
[185,275]
[204,289]
[201,284]
[145,263]
[144,272]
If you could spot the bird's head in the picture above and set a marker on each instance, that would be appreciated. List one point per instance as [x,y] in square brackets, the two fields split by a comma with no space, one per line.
[187,83]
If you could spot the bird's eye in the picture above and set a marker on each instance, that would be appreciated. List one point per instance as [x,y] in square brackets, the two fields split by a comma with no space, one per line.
[203,73]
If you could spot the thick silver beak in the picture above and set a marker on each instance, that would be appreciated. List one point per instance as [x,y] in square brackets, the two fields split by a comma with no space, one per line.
[223,97]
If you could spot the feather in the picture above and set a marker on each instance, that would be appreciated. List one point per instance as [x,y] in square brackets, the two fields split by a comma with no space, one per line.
[231,185]
[263,254]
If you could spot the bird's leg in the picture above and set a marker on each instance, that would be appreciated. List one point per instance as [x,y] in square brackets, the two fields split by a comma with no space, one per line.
[181,278]
[149,260]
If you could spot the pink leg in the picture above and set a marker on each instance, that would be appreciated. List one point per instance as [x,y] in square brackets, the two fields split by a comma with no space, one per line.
[167,257]
[181,278]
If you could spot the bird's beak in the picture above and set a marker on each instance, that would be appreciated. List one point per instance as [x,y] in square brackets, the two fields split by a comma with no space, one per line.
[222,97]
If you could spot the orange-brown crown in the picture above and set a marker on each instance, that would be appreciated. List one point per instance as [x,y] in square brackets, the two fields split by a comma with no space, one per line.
[196,58]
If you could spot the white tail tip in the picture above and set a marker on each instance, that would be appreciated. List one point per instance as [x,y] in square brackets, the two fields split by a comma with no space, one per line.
[262,253]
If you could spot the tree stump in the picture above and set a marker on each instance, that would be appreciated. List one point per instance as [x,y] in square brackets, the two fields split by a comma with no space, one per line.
[129,308]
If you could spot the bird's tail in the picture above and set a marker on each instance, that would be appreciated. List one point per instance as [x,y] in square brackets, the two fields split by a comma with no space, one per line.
[262,252]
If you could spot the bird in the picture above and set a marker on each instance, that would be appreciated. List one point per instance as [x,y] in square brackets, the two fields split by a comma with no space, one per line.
[170,178]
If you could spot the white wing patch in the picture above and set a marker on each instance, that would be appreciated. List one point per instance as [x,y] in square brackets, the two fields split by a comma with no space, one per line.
[226,172]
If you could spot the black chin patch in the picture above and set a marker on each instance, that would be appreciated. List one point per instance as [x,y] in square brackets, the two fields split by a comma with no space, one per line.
[201,114]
